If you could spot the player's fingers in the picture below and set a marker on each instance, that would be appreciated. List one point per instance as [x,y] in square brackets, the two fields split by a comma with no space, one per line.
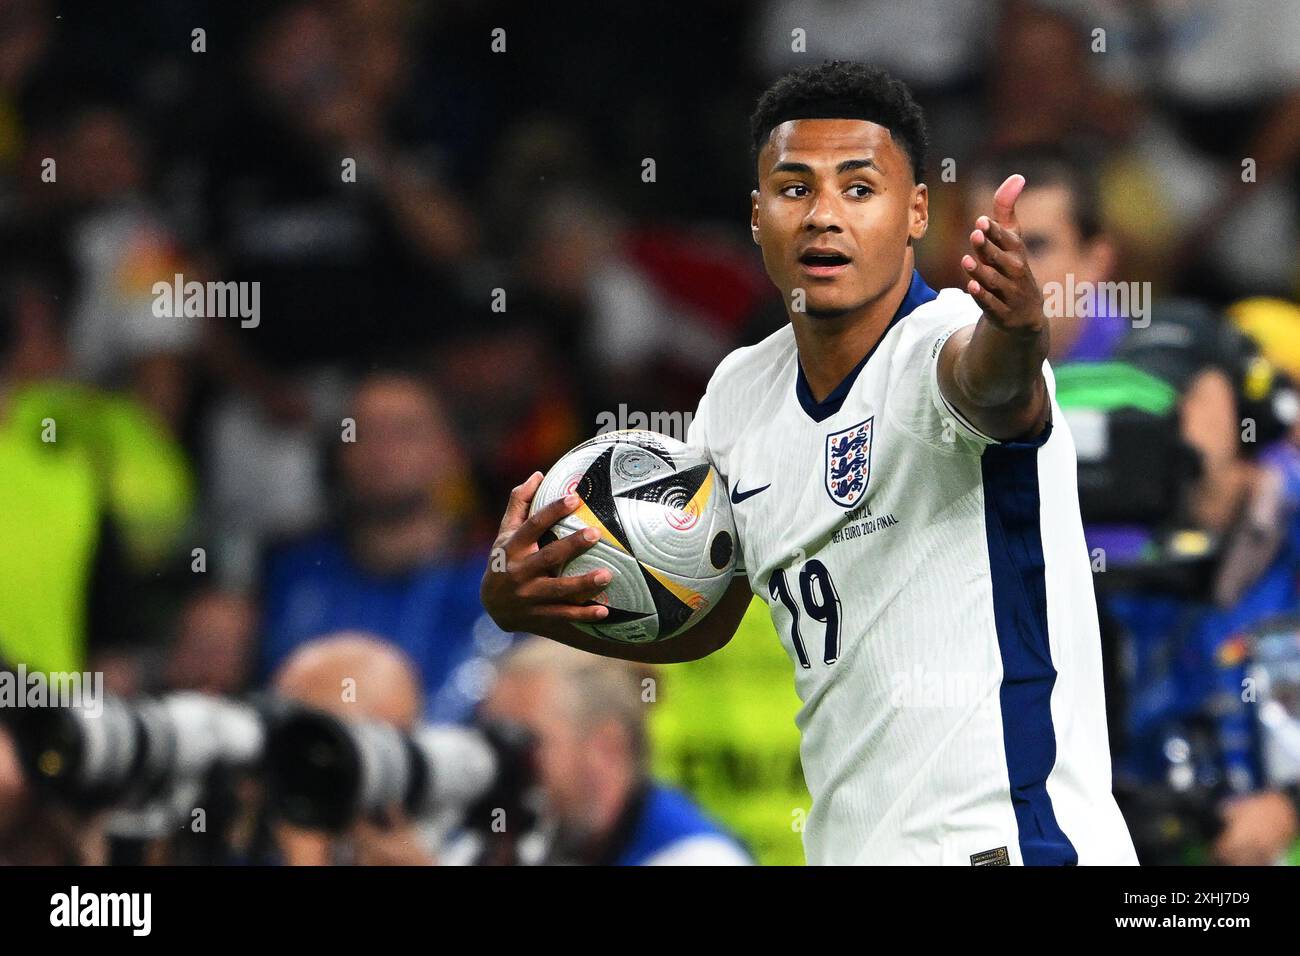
[521,496]
[988,251]
[990,303]
[554,556]
[528,533]
[574,613]
[987,276]
[569,590]
[1004,201]
[1001,236]
[983,248]
[1010,264]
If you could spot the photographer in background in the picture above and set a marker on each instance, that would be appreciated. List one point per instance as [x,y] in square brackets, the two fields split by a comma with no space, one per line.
[588,714]
[39,832]
[354,676]
[1261,569]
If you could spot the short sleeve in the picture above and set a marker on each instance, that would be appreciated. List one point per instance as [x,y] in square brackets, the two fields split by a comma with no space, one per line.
[948,413]
[697,433]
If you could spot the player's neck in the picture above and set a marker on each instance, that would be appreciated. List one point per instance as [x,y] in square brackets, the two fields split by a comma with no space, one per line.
[829,349]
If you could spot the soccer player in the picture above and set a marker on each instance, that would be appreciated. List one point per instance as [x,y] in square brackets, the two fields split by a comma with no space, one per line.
[904,490]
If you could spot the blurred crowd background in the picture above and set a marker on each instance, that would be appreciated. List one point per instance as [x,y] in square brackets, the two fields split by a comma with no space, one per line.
[464,260]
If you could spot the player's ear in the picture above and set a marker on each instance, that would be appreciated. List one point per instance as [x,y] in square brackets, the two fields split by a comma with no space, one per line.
[753,216]
[920,212]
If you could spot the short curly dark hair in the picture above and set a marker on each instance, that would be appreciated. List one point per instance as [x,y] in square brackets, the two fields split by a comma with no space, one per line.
[837,89]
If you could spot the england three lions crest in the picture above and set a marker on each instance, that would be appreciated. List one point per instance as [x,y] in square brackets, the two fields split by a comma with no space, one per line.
[848,463]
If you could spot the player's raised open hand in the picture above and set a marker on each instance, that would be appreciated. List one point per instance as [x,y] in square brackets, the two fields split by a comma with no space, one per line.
[1000,278]
[992,371]
[520,589]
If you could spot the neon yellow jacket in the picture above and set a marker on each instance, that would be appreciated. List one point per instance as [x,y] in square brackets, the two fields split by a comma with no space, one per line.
[108,458]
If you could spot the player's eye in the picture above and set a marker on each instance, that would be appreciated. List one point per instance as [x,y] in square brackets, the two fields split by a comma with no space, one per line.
[862,191]
[787,191]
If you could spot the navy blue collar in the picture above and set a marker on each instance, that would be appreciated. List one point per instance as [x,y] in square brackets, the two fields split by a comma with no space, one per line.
[918,293]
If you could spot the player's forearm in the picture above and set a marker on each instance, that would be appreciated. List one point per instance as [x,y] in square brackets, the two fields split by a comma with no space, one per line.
[994,377]
[709,635]
[994,373]
[1002,367]
[699,641]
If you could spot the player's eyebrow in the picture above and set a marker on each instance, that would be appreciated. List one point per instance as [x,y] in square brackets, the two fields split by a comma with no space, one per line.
[844,167]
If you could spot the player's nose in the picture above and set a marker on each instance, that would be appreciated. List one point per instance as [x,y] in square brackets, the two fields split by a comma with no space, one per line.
[823,213]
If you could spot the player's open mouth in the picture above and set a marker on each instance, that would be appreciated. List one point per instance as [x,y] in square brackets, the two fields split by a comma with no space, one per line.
[816,262]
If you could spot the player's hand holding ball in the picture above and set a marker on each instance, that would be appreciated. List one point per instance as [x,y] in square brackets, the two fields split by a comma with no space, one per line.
[520,589]
[629,537]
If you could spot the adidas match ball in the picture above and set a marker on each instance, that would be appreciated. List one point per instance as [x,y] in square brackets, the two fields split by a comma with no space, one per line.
[666,531]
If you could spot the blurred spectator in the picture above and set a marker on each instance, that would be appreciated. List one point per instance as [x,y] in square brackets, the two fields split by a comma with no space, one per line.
[214,645]
[121,247]
[588,714]
[354,675]
[1267,532]
[327,189]
[1060,219]
[1041,88]
[1188,91]
[940,48]
[513,402]
[578,272]
[394,562]
[1230,76]
[879,32]
[327,87]
[589,312]
[96,494]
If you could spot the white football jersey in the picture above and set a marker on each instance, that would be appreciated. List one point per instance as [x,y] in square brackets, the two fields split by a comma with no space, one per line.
[933,589]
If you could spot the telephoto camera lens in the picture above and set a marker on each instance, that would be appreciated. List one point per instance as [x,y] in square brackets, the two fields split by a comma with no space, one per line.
[324,773]
[134,750]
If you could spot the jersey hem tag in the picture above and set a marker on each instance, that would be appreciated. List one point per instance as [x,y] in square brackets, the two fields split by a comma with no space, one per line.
[997,857]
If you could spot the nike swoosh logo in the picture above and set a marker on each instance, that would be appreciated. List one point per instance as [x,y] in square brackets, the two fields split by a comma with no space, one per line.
[737,496]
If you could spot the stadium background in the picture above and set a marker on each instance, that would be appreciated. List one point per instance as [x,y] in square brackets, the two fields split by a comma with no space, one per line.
[476,170]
